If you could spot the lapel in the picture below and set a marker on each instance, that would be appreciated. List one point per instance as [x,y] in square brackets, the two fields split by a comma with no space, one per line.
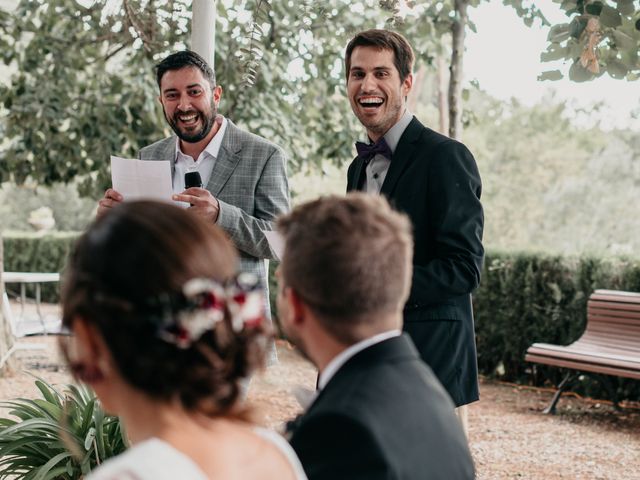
[168,153]
[227,161]
[403,156]
[356,181]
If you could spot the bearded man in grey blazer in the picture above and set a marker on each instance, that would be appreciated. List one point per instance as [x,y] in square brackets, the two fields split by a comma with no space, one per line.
[243,175]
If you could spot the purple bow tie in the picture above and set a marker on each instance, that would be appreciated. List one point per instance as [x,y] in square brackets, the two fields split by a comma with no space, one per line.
[368,151]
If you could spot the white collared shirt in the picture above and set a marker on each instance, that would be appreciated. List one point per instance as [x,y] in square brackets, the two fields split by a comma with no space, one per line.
[379,165]
[204,163]
[339,360]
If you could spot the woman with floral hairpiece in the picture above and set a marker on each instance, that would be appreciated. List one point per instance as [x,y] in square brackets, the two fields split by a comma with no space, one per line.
[164,330]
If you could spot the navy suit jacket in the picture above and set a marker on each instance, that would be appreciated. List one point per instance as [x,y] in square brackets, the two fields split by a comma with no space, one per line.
[435,181]
[382,416]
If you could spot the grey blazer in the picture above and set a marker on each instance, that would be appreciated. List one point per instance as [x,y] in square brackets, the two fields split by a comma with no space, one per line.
[249,180]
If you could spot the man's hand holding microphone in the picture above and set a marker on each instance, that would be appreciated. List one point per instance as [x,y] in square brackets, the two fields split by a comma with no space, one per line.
[200,199]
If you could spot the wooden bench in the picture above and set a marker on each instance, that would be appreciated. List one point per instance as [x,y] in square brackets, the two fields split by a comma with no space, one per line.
[610,344]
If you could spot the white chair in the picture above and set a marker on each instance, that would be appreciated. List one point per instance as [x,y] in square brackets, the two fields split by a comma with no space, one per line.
[8,316]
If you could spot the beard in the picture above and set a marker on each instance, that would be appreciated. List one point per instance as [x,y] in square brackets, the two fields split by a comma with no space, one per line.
[207,119]
[382,125]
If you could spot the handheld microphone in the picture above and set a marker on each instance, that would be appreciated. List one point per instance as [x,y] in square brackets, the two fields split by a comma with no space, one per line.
[192,179]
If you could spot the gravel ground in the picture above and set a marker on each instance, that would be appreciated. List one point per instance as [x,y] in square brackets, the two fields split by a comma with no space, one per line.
[509,436]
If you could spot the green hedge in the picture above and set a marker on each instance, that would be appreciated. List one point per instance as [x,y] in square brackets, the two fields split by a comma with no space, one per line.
[528,297]
[34,252]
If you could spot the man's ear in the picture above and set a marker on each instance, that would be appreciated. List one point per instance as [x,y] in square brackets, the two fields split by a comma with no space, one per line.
[407,85]
[297,307]
[217,94]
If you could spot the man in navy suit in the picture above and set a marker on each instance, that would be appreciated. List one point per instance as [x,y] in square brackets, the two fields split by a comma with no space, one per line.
[435,181]
[380,413]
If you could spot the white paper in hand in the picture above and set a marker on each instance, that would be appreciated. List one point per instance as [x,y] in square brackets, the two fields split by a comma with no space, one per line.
[141,179]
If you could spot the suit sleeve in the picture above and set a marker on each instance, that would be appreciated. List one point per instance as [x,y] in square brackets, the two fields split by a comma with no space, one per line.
[271,199]
[456,222]
[338,447]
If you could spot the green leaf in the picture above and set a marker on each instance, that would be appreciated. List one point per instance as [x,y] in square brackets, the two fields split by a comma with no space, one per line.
[625,7]
[87,414]
[617,69]
[594,8]
[577,26]
[610,17]
[554,53]
[46,473]
[550,75]
[578,73]
[53,410]
[49,393]
[624,41]
[559,33]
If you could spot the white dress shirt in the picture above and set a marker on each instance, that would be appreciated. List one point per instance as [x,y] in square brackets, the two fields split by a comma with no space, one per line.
[203,164]
[339,360]
[379,165]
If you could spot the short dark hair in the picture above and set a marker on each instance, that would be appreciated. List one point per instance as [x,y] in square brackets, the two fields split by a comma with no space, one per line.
[384,40]
[145,250]
[185,59]
[349,259]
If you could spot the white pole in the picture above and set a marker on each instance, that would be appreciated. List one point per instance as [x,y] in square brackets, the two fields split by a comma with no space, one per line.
[203,29]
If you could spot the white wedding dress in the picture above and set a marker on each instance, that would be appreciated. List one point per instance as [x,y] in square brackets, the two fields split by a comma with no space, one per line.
[155,459]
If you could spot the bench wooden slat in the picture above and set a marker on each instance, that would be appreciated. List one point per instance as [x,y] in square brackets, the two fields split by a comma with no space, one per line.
[626,347]
[606,331]
[616,296]
[608,337]
[591,355]
[615,327]
[612,308]
[615,319]
[618,316]
[622,334]
[582,366]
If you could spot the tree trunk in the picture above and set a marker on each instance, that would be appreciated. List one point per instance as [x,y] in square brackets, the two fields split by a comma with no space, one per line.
[456,69]
[443,104]
[6,336]
[416,90]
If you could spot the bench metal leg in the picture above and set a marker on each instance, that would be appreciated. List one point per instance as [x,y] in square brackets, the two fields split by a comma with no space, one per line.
[562,386]
[613,394]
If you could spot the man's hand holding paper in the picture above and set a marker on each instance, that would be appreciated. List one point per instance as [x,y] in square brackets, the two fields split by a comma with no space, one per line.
[134,179]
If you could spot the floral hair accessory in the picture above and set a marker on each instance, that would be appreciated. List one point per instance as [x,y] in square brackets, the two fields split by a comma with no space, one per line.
[204,303]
